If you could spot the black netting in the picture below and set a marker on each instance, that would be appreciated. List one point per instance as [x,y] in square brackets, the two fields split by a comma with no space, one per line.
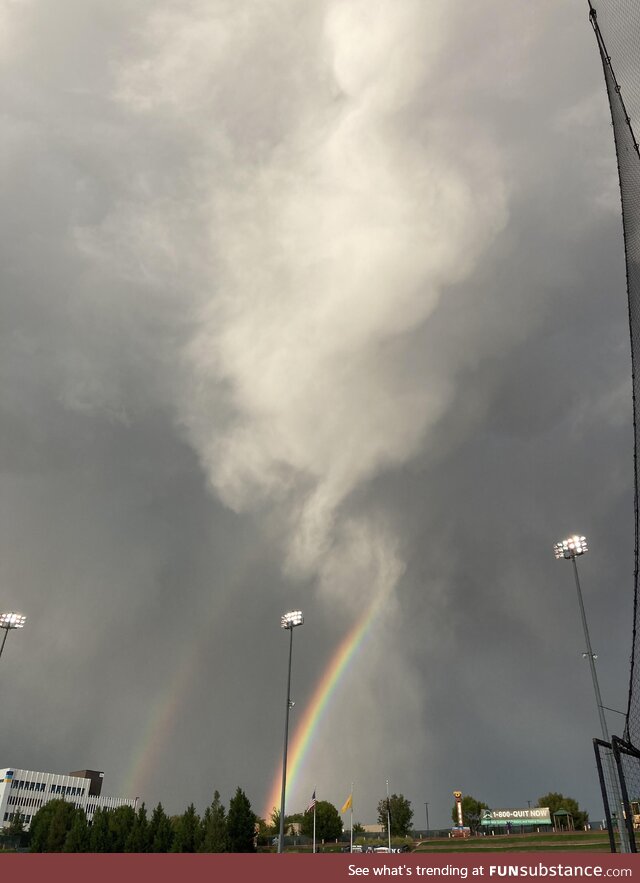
[617,27]
[628,760]
[619,24]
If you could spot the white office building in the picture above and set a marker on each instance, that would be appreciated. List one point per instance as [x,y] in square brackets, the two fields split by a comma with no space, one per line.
[25,791]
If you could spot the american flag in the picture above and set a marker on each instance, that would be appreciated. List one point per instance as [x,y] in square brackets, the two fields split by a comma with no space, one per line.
[313,802]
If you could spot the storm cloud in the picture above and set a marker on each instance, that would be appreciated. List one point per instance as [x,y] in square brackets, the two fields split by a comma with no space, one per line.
[311,306]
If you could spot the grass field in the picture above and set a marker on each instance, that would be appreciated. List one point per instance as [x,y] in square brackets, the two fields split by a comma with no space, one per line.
[574,841]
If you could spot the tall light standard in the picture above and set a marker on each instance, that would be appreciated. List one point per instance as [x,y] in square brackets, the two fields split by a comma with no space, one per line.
[426,809]
[571,549]
[10,621]
[288,621]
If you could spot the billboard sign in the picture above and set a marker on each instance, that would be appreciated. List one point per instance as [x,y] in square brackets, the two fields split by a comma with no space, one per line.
[535,815]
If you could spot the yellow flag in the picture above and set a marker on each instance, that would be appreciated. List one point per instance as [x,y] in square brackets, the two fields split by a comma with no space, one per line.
[348,803]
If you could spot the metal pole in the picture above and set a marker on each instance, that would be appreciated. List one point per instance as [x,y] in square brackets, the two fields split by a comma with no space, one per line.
[314,819]
[389,815]
[624,838]
[597,744]
[351,820]
[284,753]
[4,640]
[589,654]
[426,809]
[628,816]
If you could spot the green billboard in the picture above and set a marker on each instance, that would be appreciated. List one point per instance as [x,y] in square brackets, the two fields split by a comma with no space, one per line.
[495,818]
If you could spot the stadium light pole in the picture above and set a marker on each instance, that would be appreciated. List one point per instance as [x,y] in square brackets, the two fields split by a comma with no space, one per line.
[288,621]
[10,621]
[570,549]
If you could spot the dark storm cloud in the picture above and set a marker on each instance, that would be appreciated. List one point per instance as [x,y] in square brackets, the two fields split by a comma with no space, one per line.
[305,306]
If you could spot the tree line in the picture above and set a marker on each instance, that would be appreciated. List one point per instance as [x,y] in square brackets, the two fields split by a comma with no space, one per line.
[60,826]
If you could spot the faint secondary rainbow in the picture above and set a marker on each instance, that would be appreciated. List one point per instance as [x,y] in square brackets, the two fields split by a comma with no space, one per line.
[160,722]
[319,703]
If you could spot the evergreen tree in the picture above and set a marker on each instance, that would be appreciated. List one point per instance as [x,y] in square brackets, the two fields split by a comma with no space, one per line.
[77,840]
[121,821]
[61,822]
[99,837]
[40,824]
[241,824]
[160,831]
[188,831]
[214,827]
[138,839]
[52,824]
[15,831]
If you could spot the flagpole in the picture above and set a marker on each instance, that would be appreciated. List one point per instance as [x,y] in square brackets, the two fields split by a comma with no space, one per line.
[351,817]
[388,816]
[314,818]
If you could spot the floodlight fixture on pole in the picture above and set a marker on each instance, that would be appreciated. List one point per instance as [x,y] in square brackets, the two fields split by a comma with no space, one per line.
[10,621]
[288,621]
[570,549]
[291,619]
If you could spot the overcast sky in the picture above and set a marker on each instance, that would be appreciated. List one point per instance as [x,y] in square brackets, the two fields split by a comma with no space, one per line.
[311,305]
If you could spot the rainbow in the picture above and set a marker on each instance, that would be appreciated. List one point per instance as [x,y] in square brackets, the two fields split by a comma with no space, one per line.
[165,710]
[160,722]
[319,703]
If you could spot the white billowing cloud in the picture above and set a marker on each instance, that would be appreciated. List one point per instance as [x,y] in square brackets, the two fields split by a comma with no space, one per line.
[272,211]
[340,239]
[379,52]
